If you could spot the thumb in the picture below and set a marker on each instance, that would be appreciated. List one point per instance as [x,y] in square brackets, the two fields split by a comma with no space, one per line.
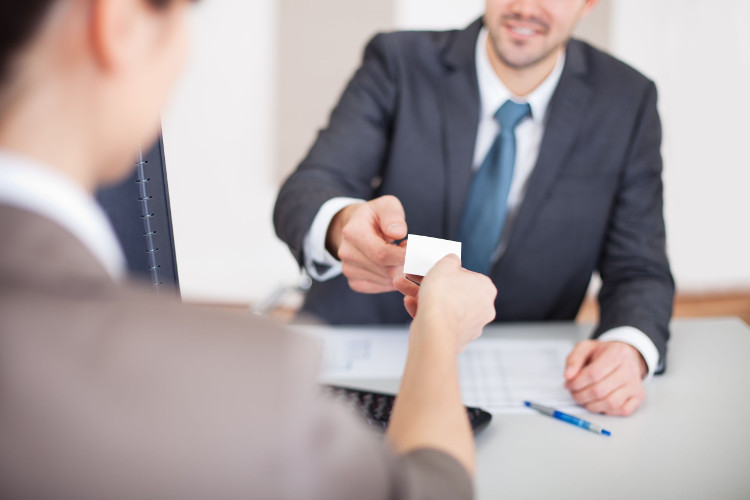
[391,217]
[578,358]
[449,263]
[410,303]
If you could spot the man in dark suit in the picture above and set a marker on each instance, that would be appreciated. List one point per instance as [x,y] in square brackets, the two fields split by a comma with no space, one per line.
[540,153]
[110,391]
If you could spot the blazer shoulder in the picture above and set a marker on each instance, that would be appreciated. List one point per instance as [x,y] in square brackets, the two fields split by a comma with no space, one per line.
[413,47]
[603,67]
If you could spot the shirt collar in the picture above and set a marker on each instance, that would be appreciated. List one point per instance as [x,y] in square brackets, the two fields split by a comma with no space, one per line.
[37,188]
[493,92]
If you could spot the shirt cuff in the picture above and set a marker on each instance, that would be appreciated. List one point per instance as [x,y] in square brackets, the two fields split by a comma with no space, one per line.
[319,262]
[636,338]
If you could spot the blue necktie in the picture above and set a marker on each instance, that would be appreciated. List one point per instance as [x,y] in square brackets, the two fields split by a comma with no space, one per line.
[487,203]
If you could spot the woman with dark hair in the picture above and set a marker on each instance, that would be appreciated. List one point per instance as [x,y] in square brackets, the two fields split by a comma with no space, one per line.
[175,402]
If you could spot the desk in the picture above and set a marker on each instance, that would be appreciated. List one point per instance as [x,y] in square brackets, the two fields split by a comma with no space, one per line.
[689,439]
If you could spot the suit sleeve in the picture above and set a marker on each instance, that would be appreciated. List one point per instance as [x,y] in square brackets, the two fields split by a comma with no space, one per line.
[637,285]
[348,154]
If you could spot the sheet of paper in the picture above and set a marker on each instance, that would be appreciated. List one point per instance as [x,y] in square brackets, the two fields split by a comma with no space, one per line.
[500,374]
[423,252]
[496,374]
[361,352]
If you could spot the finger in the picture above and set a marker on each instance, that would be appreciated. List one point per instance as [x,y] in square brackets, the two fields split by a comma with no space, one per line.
[390,215]
[384,275]
[414,278]
[381,253]
[357,255]
[357,272]
[394,272]
[578,357]
[632,404]
[602,389]
[602,362]
[615,403]
[448,264]
[451,259]
[410,303]
[363,286]
[403,285]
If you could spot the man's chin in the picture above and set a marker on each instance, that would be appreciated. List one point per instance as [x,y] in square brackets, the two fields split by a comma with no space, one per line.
[523,57]
[517,55]
[520,61]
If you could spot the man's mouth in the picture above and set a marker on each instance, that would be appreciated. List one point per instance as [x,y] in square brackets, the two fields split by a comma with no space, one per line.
[525,29]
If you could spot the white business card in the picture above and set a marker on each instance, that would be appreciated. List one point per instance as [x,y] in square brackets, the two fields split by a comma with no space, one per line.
[423,252]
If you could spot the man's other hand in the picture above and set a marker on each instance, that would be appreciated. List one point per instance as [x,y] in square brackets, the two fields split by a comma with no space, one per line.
[606,377]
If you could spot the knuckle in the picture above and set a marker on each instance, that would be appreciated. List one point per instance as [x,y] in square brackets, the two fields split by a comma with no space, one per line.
[623,353]
[364,286]
[349,270]
[579,397]
[600,393]
[595,373]
[356,285]
[612,401]
[346,270]
[389,199]
[345,253]
[379,254]
[490,315]
[349,231]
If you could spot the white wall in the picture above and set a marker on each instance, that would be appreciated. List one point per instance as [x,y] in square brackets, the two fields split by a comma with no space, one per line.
[698,53]
[319,46]
[437,14]
[220,140]
[223,145]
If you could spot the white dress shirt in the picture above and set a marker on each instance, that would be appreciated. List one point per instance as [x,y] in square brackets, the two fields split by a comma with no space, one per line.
[37,188]
[529,131]
[322,266]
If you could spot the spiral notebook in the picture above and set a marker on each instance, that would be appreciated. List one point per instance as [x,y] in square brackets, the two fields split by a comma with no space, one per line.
[139,210]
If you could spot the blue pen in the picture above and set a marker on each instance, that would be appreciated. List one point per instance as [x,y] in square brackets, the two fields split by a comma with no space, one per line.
[567,418]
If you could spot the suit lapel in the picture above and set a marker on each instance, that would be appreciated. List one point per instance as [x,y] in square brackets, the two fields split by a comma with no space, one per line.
[459,99]
[566,114]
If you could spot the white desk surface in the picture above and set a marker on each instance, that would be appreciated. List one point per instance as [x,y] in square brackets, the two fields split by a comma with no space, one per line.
[690,439]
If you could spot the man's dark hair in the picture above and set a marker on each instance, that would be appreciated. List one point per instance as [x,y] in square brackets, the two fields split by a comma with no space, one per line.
[19,20]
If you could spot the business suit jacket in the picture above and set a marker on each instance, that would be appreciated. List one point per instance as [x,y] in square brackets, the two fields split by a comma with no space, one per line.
[110,391]
[406,126]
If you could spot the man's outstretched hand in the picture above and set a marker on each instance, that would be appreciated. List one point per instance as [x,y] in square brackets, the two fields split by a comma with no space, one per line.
[361,236]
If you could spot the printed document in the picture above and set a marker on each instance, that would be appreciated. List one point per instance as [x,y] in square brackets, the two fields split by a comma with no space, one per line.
[496,374]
